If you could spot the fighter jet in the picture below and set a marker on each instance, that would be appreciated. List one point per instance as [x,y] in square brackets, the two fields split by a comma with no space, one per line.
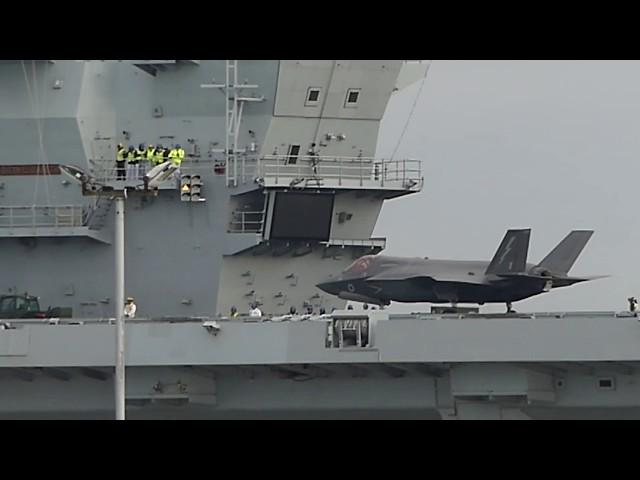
[379,279]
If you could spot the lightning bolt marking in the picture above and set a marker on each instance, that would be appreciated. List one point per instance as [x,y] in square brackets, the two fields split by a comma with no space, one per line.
[507,249]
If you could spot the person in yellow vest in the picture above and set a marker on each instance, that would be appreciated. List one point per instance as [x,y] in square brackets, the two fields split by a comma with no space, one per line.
[173,156]
[151,154]
[158,157]
[131,163]
[179,154]
[176,156]
[141,159]
[120,162]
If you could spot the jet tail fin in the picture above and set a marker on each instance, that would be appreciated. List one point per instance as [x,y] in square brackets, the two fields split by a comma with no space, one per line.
[564,255]
[511,256]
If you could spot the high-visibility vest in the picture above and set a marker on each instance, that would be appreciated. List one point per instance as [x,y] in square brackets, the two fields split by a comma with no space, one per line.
[131,157]
[158,157]
[151,153]
[174,157]
[120,155]
[139,154]
[180,152]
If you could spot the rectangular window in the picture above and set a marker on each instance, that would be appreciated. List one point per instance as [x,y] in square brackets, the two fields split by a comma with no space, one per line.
[606,383]
[313,96]
[292,156]
[353,95]
[8,304]
[302,216]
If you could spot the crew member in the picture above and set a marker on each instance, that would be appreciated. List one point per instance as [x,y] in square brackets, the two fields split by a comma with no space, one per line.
[179,155]
[633,304]
[130,308]
[314,159]
[131,163]
[255,311]
[234,312]
[120,162]
[141,157]
[151,156]
[158,158]
[176,155]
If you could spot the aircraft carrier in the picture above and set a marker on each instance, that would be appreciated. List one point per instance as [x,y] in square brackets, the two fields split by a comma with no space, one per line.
[284,190]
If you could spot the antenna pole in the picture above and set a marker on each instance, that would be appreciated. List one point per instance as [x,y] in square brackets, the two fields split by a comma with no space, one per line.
[119,274]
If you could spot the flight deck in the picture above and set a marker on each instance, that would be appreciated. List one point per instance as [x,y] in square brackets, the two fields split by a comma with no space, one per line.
[422,365]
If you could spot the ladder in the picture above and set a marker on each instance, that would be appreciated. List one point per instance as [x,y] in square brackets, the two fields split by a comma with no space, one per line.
[233,116]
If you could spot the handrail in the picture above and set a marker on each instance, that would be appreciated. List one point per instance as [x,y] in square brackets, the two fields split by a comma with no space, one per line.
[35,216]
[341,170]
[283,169]
[242,225]
[380,242]
[106,171]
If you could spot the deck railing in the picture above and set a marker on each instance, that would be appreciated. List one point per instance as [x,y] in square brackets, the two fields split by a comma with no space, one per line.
[287,170]
[247,222]
[21,216]
[348,171]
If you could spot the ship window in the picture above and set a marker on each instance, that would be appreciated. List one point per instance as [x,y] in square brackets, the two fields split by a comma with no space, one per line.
[292,156]
[302,216]
[353,94]
[607,383]
[313,95]
[8,304]
[21,303]
[33,306]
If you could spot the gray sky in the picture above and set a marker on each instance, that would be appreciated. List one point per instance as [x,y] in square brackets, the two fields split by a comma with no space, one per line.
[551,145]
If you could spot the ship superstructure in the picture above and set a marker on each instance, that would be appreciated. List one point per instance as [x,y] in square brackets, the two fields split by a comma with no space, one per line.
[248,128]
[280,189]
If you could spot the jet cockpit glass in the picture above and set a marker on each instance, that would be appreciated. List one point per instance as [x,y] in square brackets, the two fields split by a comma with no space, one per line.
[360,266]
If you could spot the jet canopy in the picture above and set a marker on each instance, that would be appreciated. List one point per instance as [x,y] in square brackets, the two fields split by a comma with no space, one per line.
[361,265]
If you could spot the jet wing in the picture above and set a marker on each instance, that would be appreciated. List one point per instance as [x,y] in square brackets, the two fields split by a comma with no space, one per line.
[554,281]
[547,277]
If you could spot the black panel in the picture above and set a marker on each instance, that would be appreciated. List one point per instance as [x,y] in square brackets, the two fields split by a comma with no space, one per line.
[302,216]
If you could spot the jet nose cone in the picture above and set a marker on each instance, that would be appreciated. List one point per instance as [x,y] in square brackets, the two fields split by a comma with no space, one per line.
[330,286]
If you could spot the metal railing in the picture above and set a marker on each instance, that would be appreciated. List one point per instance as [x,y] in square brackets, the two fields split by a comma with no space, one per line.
[288,170]
[33,216]
[247,222]
[365,242]
[106,171]
[348,171]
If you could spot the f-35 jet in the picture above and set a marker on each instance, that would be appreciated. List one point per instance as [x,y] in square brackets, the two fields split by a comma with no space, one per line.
[379,279]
